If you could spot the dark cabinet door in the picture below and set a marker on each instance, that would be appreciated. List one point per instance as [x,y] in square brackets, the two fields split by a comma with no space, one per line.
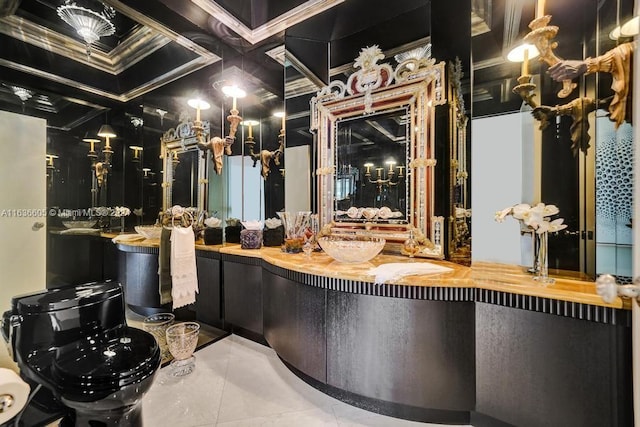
[209,298]
[243,296]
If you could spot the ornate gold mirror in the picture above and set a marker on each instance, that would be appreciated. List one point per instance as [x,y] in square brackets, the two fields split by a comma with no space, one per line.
[376,151]
[184,167]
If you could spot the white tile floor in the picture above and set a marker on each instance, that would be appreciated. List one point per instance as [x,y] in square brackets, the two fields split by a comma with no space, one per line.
[240,383]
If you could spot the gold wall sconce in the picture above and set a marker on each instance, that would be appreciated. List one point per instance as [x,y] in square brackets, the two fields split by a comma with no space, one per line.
[51,168]
[616,62]
[107,133]
[265,156]
[101,168]
[216,145]
[234,92]
[92,154]
[523,53]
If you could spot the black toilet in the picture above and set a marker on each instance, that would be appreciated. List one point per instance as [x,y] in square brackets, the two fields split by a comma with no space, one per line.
[75,343]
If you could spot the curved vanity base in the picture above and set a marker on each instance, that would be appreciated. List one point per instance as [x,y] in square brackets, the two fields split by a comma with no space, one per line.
[148,311]
[391,409]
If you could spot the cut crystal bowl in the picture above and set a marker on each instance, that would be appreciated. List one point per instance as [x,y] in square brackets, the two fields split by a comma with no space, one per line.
[351,249]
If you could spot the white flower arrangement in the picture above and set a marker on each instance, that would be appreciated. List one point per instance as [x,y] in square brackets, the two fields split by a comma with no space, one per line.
[253,225]
[272,223]
[536,217]
[213,222]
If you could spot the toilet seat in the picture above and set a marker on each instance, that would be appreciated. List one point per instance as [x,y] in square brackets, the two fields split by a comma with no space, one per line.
[94,369]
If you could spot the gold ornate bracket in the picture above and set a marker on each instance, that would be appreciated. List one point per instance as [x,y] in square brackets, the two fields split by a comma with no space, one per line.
[541,36]
[265,156]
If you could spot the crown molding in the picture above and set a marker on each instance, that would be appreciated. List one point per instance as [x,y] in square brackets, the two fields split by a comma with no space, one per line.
[275,26]
[160,28]
[141,43]
[153,84]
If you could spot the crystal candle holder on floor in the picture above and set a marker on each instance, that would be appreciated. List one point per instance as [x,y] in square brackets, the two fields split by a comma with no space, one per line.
[157,325]
[182,339]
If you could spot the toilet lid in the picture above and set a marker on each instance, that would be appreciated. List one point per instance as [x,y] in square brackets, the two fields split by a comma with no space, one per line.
[70,297]
[128,357]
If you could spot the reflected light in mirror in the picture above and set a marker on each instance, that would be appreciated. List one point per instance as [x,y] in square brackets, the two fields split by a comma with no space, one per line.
[250,124]
[50,158]
[234,92]
[107,132]
[368,166]
[92,142]
[199,105]
[281,115]
[136,151]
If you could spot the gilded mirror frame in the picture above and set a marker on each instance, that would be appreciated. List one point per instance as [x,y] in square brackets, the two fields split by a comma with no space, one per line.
[416,84]
[178,140]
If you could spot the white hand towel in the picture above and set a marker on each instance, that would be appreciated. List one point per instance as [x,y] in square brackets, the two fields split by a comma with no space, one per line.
[184,276]
[394,271]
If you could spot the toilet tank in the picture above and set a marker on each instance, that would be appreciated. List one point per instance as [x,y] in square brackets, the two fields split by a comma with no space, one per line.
[58,317]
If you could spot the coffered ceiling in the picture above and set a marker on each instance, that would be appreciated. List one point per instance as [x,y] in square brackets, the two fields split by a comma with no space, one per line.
[160,41]
[48,69]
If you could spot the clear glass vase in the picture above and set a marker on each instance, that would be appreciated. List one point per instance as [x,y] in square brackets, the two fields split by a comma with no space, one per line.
[295,226]
[541,263]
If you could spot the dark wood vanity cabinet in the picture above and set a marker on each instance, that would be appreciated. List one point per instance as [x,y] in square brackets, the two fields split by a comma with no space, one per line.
[242,278]
[209,298]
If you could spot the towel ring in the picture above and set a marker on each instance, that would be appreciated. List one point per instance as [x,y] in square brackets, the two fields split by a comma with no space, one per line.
[186,219]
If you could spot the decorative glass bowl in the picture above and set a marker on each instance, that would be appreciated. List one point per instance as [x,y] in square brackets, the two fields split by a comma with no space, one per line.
[149,231]
[351,249]
[182,339]
[157,325]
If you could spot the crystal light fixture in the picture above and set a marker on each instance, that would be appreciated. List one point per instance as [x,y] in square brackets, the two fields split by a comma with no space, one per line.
[89,24]
[417,54]
[22,93]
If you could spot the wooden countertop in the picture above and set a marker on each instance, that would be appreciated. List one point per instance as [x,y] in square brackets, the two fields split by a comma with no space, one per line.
[481,275]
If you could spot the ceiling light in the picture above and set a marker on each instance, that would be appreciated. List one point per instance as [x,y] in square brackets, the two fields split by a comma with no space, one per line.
[89,24]
[22,93]
[417,54]
[137,121]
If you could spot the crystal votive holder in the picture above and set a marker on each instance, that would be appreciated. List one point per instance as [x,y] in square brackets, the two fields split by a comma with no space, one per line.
[251,239]
[182,340]
[157,325]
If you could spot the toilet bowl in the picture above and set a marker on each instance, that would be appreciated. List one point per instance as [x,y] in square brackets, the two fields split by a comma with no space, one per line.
[75,343]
